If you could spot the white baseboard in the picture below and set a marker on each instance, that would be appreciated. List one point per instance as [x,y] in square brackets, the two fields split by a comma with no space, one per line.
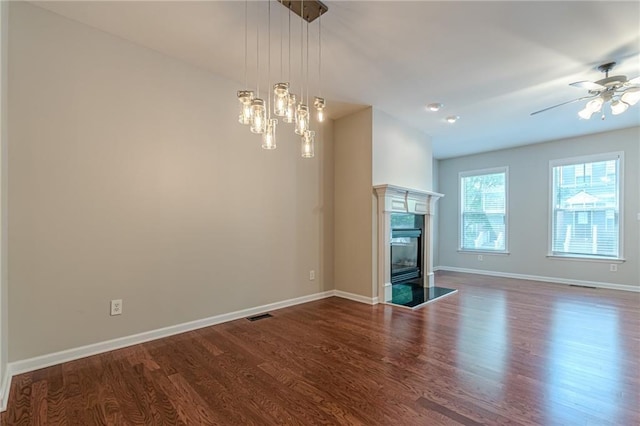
[356,297]
[553,280]
[35,363]
[4,388]
[31,364]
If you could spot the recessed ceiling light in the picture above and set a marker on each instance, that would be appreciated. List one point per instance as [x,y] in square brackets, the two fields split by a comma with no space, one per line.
[452,119]
[435,106]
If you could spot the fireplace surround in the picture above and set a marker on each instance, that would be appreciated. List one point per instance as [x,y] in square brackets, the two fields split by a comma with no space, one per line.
[395,199]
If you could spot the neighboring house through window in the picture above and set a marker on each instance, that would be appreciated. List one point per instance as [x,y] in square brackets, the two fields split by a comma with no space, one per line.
[585,206]
[483,210]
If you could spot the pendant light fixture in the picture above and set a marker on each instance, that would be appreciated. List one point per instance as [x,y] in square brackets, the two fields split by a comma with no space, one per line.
[258,116]
[319,103]
[258,113]
[290,115]
[245,97]
[293,109]
[308,142]
[269,135]
[280,90]
[302,111]
[290,109]
[308,135]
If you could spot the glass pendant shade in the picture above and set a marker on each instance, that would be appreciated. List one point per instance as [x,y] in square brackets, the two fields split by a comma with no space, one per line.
[258,116]
[631,96]
[308,142]
[280,98]
[319,105]
[595,105]
[302,119]
[269,136]
[618,107]
[591,108]
[245,97]
[290,114]
[585,114]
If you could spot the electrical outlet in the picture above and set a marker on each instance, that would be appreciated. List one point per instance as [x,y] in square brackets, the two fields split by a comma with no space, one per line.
[480,257]
[613,268]
[116,307]
[312,275]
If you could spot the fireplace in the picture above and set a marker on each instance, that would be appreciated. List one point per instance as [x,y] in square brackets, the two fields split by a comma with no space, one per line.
[404,245]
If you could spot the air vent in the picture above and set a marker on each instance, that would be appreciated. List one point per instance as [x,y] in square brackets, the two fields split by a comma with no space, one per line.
[259,317]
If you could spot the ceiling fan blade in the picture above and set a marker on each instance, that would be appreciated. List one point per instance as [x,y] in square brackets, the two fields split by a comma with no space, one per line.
[589,85]
[564,103]
[634,80]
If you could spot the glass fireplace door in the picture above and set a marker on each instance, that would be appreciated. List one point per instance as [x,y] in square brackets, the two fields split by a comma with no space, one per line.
[405,254]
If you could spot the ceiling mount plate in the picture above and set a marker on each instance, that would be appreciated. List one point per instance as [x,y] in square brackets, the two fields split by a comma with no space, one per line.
[312,8]
[606,67]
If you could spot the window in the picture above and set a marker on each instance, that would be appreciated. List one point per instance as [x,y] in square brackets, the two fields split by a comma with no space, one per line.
[483,210]
[585,206]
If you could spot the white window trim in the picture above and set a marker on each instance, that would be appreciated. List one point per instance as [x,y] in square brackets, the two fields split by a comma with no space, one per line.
[492,170]
[588,159]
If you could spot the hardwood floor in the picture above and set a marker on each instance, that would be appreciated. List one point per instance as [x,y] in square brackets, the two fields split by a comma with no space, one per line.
[500,351]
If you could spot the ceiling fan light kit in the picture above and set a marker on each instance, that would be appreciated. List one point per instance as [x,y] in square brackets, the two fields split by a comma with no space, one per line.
[619,92]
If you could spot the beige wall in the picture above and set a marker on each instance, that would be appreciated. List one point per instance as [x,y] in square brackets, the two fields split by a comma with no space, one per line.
[130,178]
[4,301]
[529,209]
[353,204]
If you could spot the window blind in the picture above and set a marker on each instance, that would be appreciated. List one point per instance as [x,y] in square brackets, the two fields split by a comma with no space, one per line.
[483,210]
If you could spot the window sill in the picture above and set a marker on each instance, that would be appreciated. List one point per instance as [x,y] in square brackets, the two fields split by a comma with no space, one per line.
[587,258]
[497,253]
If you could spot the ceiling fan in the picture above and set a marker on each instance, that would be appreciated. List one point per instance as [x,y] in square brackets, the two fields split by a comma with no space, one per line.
[617,90]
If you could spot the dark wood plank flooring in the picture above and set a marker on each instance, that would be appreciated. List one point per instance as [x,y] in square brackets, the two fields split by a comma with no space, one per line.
[500,351]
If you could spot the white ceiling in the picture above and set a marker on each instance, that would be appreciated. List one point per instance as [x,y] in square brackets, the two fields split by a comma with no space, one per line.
[492,63]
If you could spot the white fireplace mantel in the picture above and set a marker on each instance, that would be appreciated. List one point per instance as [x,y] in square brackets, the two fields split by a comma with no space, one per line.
[396,199]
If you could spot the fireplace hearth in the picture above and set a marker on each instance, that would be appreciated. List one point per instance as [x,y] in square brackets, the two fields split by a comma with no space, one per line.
[413,295]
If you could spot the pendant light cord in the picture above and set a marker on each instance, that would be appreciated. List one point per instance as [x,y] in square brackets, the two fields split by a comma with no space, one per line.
[289,50]
[320,53]
[269,58]
[281,49]
[307,77]
[301,53]
[258,55]
[246,42]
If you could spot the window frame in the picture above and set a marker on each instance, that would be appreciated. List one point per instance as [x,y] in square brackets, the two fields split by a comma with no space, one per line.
[584,159]
[480,172]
